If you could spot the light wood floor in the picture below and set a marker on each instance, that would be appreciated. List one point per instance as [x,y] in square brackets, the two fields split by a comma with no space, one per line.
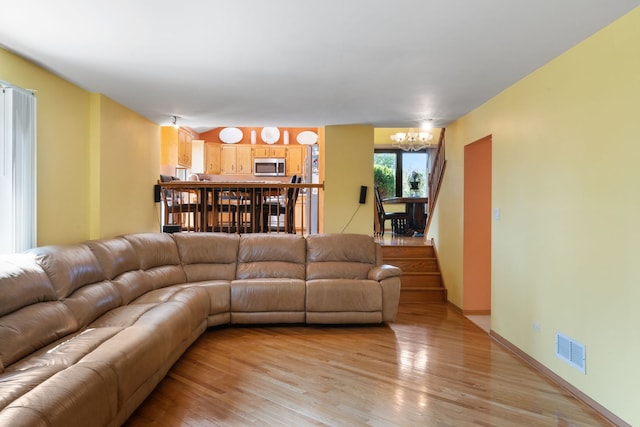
[432,367]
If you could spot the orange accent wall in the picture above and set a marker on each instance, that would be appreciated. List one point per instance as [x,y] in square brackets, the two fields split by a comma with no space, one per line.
[476,263]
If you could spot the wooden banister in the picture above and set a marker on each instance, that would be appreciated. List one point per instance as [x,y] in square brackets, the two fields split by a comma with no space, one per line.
[435,176]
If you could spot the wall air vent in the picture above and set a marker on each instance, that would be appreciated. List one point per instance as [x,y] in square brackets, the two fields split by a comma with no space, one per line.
[571,351]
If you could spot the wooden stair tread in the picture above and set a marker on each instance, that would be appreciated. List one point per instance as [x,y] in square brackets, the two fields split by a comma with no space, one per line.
[420,273]
[421,278]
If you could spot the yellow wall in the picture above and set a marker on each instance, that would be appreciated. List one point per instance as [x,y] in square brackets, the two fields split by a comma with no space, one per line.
[565,177]
[348,164]
[63,150]
[69,130]
[129,160]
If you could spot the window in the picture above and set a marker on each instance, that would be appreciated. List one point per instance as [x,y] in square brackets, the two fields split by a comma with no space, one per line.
[401,173]
[17,169]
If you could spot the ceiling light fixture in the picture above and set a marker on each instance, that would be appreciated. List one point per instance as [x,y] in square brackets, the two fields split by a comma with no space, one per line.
[174,121]
[412,140]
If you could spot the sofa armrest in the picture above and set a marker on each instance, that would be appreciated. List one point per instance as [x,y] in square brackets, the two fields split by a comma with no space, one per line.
[384,271]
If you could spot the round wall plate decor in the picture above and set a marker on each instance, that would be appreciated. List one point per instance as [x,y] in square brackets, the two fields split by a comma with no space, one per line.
[231,135]
[307,137]
[270,135]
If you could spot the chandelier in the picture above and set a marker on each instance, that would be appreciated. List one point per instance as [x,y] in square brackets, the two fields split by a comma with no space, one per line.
[411,140]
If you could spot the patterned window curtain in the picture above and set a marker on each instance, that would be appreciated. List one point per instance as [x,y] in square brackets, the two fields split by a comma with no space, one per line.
[18,170]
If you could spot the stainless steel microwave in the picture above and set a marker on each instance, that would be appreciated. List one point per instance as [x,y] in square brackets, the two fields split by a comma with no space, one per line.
[269,167]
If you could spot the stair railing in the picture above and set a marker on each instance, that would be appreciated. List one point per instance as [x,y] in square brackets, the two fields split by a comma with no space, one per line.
[435,177]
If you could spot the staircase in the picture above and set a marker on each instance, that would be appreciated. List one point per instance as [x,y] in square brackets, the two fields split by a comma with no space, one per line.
[421,279]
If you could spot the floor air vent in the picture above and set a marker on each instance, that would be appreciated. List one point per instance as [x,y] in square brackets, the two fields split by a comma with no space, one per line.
[571,351]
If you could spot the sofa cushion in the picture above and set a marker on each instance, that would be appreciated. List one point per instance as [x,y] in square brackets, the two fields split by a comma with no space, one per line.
[194,299]
[22,283]
[337,295]
[79,281]
[140,352]
[154,249]
[69,267]
[26,374]
[78,396]
[208,256]
[340,256]
[91,301]
[219,292]
[263,295]
[159,258]
[271,256]
[115,256]
[132,284]
[122,317]
[33,327]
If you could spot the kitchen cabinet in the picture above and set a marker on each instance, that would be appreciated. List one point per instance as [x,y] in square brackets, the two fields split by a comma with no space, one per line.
[267,151]
[175,146]
[212,161]
[235,159]
[243,159]
[295,160]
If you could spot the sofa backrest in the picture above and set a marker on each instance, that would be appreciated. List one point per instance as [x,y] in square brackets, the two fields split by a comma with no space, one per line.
[271,256]
[345,256]
[23,284]
[208,256]
[79,281]
[158,257]
[48,293]
[115,256]
[121,265]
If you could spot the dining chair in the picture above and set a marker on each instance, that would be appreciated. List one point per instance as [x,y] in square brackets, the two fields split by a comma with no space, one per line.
[278,211]
[399,220]
[181,206]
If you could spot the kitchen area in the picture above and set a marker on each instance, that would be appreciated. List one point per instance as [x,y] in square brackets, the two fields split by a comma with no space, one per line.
[239,179]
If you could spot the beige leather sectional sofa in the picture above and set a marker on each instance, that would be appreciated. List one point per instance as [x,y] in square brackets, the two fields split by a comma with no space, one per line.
[88,330]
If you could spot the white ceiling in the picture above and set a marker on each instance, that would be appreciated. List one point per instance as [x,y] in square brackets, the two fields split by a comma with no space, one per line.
[387,63]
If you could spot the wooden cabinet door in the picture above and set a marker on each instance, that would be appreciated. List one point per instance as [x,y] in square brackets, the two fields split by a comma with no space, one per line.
[175,146]
[168,145]
[184,148]
[266,151]
[212,161]
[295,160]
[278,151]
[243,159]
[228,159]
[261,152]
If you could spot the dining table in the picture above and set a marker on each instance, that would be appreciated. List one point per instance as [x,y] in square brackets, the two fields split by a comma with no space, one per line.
[415,207]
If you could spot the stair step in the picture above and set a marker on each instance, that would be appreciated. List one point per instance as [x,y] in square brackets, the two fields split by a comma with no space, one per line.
[420,280]
[423,295]
[415,264]
[408,252]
